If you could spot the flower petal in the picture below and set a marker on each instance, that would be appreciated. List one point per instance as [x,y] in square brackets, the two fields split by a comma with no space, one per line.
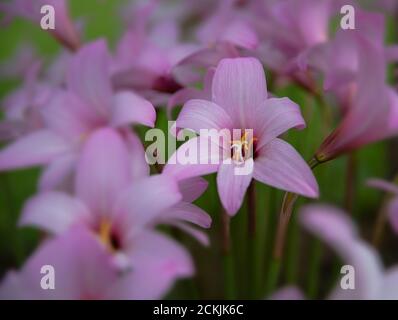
[232,187]
[393,213]
[54,212]
[139,165]
[192,188]
[130,108]
[338,231]
[288,293]
[103,171]
[276,116]
[158,262]
[136,208]
[37,148]
[383,185]
[205,158]
[82,266]
[89,76]
[239,87]
[57,172]
[201,114]
[389,288]
[280,166]
[188,212]
[69,116]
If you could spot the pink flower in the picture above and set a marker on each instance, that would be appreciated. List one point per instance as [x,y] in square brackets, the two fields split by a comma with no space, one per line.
[144,59]
[83,269]
[393,203]
[290,30]
[239,101]
[22,106]
[339,58]
[64,30]
[372,280]
[72,115]
[121,212]
[373,114]
[227,33]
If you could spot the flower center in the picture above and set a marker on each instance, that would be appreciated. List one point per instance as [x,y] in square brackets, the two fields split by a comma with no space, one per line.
[108,236]
[242,149]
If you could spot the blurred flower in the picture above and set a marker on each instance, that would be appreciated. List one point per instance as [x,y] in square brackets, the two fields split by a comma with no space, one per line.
[145,57]
[290,30]
[22,106]
[183,95]
[373,114]
[83,269]
[19,64]
[120,211]
[71,115]
[239,101]
[227,33]
[338,59]
[393,203]
[334,227]
[64,31]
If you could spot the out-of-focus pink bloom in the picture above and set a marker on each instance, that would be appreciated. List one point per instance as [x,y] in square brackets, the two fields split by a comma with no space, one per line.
[239,101]
[121,212]
[227,33]
[183,95]
[287,293]
[83,269]
[227,25]
[372,281]
[373,114]
[22,107]
[290,30]
[145,57]
[334,227]
[21,61]
[339,58]
[393,203]
[71,115]
[64,31]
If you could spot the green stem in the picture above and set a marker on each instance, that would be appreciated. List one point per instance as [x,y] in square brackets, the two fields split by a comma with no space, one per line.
[273,275]
[381,219]
[292,254]
[252,241]
[314,268]
[228,263]
[351,174]
[288,203]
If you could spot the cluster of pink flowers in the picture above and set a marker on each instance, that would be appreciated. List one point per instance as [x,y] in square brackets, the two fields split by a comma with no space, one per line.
[99,203]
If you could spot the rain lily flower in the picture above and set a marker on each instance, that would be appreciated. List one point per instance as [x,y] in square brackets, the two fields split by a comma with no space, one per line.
[372,280]
[65,31]
[144,60]
[87,104]
[338,59]
[83,269]
[225,34]
[118,208]
[188,93]
[373,114]
[291,30]
[22,106]
[21,61]
[393,203]
[239,101]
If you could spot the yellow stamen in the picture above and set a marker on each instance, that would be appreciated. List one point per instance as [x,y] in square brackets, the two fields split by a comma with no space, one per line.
[240,148]
[104,233]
